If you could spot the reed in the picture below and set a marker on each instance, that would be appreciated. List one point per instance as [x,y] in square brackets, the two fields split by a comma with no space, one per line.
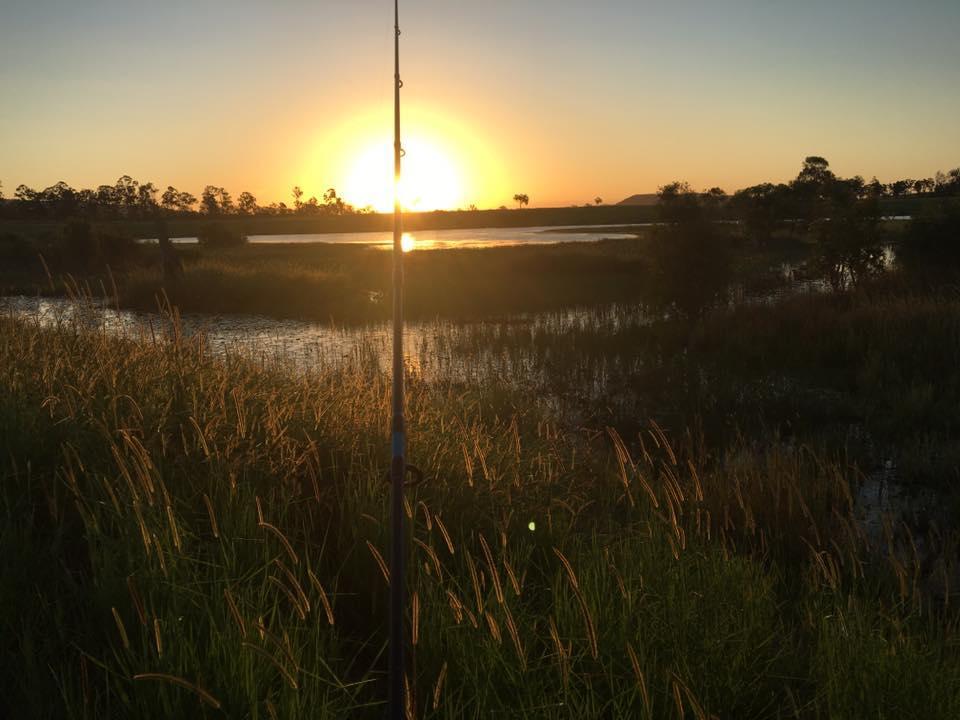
[647,572]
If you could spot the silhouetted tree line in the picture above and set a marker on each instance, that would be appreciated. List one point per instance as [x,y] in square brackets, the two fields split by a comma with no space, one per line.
[841,218]
[128,198]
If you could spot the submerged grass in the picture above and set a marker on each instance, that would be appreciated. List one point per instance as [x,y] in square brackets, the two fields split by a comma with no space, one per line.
[871,370]
[191,536]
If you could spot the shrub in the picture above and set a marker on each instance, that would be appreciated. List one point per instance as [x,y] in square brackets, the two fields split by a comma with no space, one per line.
[217,235]
[16,249]
[85,248]
[931,246]
[77,248]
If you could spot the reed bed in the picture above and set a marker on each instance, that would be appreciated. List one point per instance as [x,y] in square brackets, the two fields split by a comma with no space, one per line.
[348,283]
[193,536]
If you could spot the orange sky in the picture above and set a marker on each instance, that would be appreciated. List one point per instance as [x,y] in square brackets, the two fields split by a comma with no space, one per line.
[563,101]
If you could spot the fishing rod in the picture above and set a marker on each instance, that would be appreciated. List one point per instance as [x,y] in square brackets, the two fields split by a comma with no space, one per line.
[398,466]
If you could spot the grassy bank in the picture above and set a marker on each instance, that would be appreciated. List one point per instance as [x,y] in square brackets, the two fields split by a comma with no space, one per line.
[190,225]
[352,283]
[188,536]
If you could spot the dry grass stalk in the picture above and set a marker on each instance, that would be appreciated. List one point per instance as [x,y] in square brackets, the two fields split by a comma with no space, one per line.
[281,537]
[282,644]
[438,686]
[427,520]
[137,601]
[561,651]
[494,627]
[663,442]
[214,528]
[174,531]
[641,680]
[515,636]
[295,584]
[432,555]
[467,463]
[482,457]
[200,436]
[494,574]
[235,611]
[455,605]
[571,575]
[446,535]
[380,562]
[121,628]
[624,461]
[697,486]
[271,710]
[618,578]
[158,641]
[205,696]
[478,595]
[695,706]
[324,600]
[471,617]
[415,618]
[291,596]
[517,588]
[160,556]
[287,675]
[588,624]
[409,701]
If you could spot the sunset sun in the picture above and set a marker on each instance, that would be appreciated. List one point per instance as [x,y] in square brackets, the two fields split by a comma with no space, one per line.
[448,163]
[431,179]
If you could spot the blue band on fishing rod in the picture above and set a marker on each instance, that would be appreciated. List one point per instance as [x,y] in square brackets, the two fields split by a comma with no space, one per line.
[399,444]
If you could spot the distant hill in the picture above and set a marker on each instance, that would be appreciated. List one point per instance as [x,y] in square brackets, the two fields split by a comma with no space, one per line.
[643,199]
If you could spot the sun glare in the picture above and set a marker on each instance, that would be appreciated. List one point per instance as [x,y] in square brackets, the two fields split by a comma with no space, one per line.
[407,242]
[429,181]
[447,165]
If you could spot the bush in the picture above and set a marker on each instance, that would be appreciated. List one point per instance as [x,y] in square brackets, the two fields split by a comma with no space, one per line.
[931,245]
[217,235]
[16,249]
[692,265]
[117,250]
[83,247]
[77,247]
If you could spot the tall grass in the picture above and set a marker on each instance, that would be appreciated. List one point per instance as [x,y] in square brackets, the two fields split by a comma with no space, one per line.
[191,536]
[814,367]
[348,282]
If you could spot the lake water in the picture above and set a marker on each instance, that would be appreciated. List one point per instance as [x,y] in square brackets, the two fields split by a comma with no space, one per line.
[444,239]
[434,351]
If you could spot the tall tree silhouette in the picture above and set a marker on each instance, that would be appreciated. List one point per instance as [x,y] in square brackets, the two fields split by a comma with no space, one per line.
[247,203]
